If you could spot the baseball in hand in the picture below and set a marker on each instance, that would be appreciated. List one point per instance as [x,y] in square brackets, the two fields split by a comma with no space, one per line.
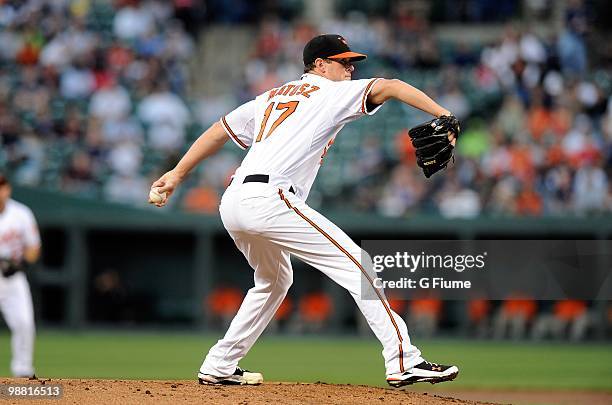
[155,196]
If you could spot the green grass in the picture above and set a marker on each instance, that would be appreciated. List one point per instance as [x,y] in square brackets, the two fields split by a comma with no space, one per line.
[484,365]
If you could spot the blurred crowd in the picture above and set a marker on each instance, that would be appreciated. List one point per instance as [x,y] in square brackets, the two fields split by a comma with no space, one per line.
[91,92]
[516,318]
[94,101]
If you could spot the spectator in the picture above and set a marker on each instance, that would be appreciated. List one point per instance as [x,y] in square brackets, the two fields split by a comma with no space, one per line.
[528,202]
[167,115]
[79,41]
[223,303]
[591,189]
[478,317]
[568,317]
[371,159]
[456,101]
[77,82]
[402,193]
[315,310]
[133,21]
[503,197]
[32,153]
[557,189]
[513,318]
[111,102]
[127,188]
[127,128]
[31,96]
[457,202]
[282,315]
[125,158]
[79,178]
[424,316]
[178,45]
[571,46]
[202,199]
[532,49]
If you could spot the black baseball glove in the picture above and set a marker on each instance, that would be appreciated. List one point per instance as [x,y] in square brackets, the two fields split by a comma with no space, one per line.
[433,148]
[9,267]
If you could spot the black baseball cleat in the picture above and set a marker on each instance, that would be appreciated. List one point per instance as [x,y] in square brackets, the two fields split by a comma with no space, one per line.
[240,377]
[423,372]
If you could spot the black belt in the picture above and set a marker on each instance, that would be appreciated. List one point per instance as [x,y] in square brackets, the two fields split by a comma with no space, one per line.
[262,178]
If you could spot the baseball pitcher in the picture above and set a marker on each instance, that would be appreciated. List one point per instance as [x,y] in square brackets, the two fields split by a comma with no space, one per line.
[287,131]
[19,249]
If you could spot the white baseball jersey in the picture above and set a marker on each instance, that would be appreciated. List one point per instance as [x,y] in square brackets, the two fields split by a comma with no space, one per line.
[290,128]
[18,230]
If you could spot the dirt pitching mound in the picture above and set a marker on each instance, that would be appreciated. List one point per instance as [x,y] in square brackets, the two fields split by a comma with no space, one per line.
[190,392]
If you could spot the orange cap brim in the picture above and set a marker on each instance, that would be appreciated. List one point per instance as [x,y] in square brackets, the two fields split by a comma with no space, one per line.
[354,56]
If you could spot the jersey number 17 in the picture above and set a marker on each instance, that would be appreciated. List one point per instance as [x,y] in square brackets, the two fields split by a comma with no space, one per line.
[288,108]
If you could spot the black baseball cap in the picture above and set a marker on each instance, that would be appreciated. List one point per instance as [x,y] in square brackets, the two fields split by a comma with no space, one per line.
[329,46]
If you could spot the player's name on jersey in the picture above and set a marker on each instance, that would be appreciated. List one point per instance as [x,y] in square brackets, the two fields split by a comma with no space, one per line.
[423,282]
[305,90]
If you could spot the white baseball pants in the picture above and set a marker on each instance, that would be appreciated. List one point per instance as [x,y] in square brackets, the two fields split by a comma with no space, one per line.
[16,307]
[268,224]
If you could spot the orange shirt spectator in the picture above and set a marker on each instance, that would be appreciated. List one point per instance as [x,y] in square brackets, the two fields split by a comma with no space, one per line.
[405,148]
[397,303]
[568,310]
[431,307]
[529,202]
[315,307]
[521,163]
[284,310]
[555,155]
[225,301]
[538,121]
[561,120]
[518,307]
[202,199]
[478,310]
[30,51]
